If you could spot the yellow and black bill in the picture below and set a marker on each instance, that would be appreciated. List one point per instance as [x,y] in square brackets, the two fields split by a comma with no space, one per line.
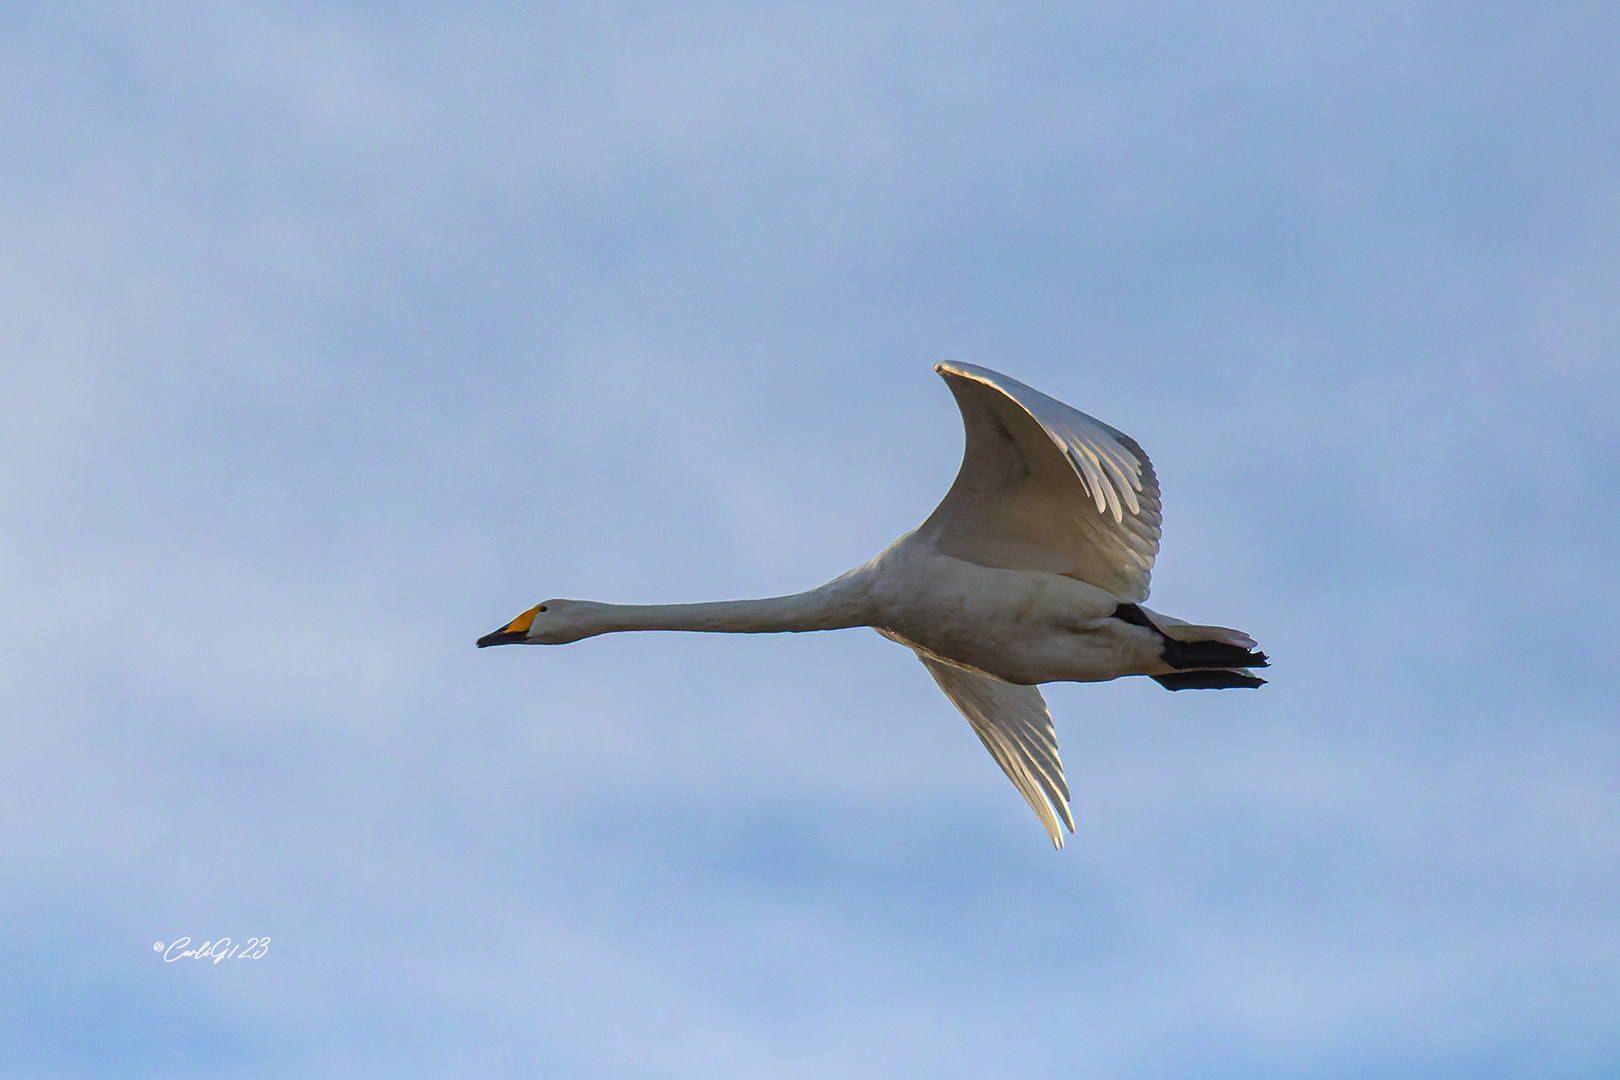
[513,632]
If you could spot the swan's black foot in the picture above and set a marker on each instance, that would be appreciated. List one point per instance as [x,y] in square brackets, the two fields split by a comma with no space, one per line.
[1209,654]
[1207,680]
[1194,654]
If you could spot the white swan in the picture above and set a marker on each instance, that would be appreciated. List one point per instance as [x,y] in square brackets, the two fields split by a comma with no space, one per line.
[1032,570]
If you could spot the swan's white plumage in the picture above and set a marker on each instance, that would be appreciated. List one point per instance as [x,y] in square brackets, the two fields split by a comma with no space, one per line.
[1028,571]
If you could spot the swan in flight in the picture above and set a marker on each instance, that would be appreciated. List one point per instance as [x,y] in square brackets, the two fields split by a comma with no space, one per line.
[1032,570]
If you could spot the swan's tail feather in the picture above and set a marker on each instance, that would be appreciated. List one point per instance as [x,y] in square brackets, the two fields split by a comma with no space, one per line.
[1190,632]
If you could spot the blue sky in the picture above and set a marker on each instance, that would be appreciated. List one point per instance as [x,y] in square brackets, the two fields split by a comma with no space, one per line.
[336,335]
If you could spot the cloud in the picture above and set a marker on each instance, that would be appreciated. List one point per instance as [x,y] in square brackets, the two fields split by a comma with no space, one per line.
[334,338]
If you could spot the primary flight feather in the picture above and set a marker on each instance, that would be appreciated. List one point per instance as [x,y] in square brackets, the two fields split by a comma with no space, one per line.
[1032,569]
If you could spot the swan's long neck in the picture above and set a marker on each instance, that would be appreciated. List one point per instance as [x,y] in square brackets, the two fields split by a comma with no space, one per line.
[834,606]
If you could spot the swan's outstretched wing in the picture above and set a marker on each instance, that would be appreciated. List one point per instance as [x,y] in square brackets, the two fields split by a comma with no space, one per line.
[1046,487]
[1015,727]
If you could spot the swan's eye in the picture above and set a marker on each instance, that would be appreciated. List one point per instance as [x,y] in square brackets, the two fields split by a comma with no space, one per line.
[542,607]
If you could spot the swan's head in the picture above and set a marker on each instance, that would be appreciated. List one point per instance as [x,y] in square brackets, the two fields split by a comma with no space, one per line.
[555,622]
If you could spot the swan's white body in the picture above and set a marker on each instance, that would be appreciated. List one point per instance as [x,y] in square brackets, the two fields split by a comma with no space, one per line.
[1031,570]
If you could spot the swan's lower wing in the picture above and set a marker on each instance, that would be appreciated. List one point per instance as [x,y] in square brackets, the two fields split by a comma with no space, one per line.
[1013,723]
